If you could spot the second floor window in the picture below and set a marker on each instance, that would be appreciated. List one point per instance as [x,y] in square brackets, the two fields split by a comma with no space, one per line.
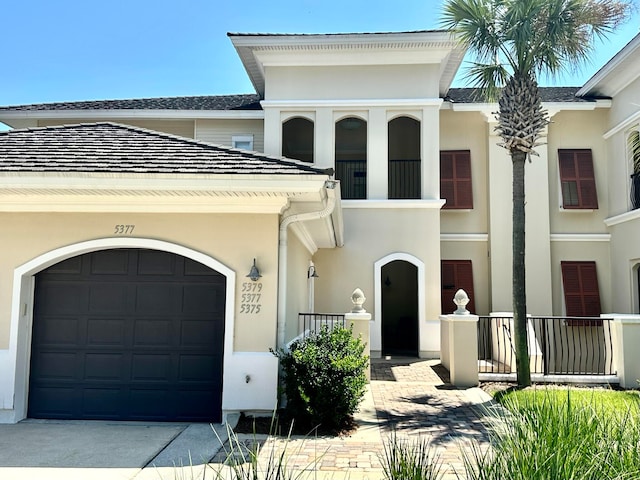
[577,179]
[351,157]
[297,139]
[455,179]
[404,158]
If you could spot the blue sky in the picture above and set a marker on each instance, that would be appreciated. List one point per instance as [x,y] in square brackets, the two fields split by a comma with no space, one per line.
[65,50]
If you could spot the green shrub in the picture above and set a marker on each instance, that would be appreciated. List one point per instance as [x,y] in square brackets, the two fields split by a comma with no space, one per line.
[324,378]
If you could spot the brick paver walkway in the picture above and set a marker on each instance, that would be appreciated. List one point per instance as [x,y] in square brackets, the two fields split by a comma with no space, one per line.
[410,397]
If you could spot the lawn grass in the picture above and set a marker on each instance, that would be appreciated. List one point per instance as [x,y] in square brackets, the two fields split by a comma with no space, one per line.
[562,434]
[617,402]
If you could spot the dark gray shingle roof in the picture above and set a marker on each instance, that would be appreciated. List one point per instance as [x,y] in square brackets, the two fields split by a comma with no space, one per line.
[110,147]
[204,102]
[548,94]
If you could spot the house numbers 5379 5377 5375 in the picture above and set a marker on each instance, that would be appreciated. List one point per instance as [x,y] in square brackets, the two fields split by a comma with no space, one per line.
[251,296]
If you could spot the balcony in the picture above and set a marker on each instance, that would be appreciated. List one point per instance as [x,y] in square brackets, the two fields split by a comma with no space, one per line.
[404,179]
[353,178]
[635,191]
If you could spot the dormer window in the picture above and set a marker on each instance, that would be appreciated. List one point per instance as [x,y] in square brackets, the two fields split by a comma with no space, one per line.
[242,142]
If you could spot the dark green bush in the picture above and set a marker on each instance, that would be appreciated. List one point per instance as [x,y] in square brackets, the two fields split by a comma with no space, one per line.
[324,378]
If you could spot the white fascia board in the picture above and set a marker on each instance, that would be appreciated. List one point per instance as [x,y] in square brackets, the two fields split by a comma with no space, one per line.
[596,84]
[554,107]
[353,103]
[350,57]
[114,182]
[142,113]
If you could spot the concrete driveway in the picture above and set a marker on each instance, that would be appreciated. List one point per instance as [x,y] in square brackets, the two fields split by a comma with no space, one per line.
[70,450]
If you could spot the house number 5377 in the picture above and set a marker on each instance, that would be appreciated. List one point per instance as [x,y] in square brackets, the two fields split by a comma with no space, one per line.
[123,229]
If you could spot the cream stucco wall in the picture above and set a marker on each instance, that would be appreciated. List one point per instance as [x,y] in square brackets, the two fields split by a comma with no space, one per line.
[298,258]
[625,260]
[474,139]
[578,129]
[625,103]
[351,82]
[222,236]
[372,234]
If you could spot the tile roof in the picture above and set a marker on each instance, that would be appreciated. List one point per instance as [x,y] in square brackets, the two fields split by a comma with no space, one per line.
[110,147]
[204,102]
[548,94]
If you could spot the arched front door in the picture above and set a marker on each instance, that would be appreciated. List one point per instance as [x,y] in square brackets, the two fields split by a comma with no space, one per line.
[399,308]
[128,334]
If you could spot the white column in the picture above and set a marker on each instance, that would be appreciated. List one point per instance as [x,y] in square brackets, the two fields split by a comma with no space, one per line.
[324,141]
[272,132]
[377,153]
[430,152]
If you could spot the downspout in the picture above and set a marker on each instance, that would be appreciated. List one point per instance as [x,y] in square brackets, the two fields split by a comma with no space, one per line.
[328,209]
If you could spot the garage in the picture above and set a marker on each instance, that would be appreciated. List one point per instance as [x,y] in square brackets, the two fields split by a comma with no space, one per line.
[128,334]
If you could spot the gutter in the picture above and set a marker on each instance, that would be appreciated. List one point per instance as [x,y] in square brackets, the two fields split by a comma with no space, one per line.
[328,209]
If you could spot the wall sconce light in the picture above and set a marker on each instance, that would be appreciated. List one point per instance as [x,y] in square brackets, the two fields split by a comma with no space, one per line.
[254,273]
[311,273]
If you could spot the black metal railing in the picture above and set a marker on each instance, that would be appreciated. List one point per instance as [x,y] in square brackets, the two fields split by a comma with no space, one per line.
[404,179]
[353,178]
[557,345]
[313,322]
[635,191]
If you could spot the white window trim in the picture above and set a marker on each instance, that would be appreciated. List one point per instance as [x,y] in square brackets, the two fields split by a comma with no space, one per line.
[236,139]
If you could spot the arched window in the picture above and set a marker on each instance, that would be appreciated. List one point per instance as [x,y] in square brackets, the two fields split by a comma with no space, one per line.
[297,139]
[404,158]
[633,149]
[351,157]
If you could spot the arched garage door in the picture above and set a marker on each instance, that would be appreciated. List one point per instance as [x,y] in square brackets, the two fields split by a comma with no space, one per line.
[128,334]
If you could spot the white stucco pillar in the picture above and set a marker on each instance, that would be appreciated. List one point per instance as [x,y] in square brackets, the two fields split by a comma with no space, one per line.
[377,153]
[272,132]
[460,354]
[626,355]
[359,320]
[430,151]
[324,141]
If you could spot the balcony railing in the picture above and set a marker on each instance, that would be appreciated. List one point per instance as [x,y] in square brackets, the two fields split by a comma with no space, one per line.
[635,191]
[557,346]
[404,179]
[353,178]
[314,322]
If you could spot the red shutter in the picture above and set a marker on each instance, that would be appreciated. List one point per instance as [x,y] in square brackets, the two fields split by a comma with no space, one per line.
[455,179]
[577,178]
[456,274]
[581,292]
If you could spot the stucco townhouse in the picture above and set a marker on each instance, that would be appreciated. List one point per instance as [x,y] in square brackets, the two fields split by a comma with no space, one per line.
[155,250]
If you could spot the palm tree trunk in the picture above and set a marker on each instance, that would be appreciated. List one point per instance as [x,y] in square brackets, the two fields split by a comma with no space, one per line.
[518,159]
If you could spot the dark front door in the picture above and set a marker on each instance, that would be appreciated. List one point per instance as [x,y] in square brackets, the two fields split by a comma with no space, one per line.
[128,334]
[400,308]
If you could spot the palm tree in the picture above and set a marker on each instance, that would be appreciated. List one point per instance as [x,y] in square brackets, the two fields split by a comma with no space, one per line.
[514,42]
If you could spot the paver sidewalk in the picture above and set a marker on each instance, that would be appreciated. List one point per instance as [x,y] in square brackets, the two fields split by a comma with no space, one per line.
[411,397]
